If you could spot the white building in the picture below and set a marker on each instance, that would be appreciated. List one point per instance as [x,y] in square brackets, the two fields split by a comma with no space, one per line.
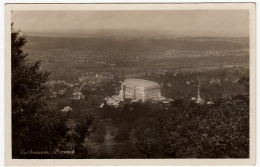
[66,109]
[139,89]
[114,100]
[78,95]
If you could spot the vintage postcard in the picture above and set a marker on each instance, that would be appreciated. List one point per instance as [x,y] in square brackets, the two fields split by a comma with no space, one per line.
[130,84]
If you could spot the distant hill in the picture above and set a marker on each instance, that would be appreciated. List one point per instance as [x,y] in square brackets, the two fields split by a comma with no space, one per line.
[108,44]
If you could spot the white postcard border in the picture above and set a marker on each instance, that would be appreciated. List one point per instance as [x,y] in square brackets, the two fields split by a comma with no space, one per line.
[130,162]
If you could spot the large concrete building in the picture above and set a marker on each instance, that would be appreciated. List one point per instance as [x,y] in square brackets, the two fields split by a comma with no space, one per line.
[139,89]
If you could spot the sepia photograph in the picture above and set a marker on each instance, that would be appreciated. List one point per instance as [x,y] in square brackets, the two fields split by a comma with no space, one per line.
[135,82]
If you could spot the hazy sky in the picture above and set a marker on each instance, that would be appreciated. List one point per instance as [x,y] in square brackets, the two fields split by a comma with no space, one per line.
[210,23]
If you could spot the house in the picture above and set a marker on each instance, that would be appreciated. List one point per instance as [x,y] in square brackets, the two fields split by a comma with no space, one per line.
[54,94]
[78,95]
[214,81]
[66,109]
[62,92]
[60,81]
[193,98]
[114,101]
[80,79]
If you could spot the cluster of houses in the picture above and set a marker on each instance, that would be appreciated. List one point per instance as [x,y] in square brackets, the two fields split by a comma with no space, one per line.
[62,92]
[133,90]
[56,93]
[77,95]
[97,77]
[237,53]
[141,90]
[214,81]
[92,79]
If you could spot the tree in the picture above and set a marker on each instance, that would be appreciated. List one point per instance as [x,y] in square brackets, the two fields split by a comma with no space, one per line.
[121,136]
[123,133]
[244,80]
[99,132]
[33,128]
[81,129]
[27,79]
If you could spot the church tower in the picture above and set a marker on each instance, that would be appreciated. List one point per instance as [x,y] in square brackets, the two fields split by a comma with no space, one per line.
[199,100]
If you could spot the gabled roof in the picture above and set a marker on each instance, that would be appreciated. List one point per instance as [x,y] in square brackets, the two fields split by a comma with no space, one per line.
[133,82]
[65,109]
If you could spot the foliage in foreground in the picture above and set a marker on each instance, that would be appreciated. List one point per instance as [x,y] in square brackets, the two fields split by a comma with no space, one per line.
[33,129]
[220,131]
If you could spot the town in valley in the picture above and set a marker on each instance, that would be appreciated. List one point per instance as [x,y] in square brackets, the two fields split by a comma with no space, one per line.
[117,94]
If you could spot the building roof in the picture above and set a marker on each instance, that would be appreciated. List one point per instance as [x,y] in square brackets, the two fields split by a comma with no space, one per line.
[140,82]
[66,109]
[77,93]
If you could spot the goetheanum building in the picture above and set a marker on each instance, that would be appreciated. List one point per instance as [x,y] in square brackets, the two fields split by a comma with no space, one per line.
[139,89]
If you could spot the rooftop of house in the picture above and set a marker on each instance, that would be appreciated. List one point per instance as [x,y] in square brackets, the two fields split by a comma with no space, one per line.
[77,93]
[140,82]
[65,109]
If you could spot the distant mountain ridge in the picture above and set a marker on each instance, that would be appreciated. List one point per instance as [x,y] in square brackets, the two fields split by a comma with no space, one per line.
[108,44]
[121,33]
